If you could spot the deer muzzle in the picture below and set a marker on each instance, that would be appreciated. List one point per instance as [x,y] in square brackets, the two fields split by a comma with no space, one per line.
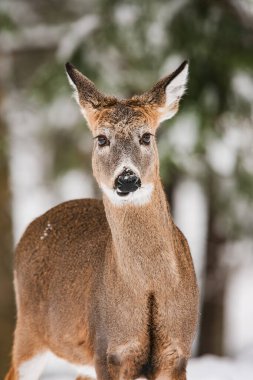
[127,182]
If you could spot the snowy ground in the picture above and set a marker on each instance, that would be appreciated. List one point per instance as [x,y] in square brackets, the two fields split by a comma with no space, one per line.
[205,368]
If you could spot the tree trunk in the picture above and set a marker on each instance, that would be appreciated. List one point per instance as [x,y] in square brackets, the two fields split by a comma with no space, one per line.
[214,284]
[7,310]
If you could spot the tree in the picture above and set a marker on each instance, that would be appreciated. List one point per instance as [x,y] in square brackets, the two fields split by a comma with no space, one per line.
[7,310]
[124,46]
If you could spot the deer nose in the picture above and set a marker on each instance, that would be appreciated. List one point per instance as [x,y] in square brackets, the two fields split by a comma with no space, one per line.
[127,182]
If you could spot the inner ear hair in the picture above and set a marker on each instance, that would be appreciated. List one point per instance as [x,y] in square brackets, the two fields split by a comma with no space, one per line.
[157,95]
[85,88]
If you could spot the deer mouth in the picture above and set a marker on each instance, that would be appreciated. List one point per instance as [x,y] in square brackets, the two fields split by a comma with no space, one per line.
[122,193]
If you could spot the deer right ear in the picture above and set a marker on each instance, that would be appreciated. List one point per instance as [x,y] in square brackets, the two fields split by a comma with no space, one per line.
[166,94]
[85,92]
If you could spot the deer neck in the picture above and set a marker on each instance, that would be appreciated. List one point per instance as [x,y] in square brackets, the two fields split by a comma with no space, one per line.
[140,234]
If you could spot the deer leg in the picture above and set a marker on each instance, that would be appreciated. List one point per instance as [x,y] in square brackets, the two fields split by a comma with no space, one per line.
[172,375]
[32,368]
[169,363]
[171,366]
[125,362]
[29,369]
[28,357]
[11,375]
[122,362]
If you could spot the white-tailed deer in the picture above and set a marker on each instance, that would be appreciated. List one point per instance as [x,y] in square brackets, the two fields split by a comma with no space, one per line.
[110,283]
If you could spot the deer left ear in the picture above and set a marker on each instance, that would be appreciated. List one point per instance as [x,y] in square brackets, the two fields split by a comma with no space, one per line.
[85,92]
[166,94]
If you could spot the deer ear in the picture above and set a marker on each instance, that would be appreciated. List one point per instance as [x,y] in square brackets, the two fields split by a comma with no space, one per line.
[167,93]
[85,92]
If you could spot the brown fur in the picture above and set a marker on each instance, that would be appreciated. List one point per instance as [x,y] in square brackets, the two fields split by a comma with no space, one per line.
[107,285]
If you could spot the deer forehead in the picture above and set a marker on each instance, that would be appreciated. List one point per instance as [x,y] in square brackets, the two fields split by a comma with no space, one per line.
[123,120]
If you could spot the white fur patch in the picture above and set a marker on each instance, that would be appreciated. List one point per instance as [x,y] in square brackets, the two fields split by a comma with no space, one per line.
[76,95]
[126,163]
[75,92]
[139,197]
[177,86]
[32,369]
[59,366]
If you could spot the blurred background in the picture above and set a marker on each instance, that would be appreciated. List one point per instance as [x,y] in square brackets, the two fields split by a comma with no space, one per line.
[206,151]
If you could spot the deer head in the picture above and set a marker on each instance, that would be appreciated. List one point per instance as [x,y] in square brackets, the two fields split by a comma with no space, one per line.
[125,158]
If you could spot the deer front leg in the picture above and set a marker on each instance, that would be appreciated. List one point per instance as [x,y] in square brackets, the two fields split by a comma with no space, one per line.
[170,365]
[28,357]
[29,369]
[122,362]
[125,361]
[11,375]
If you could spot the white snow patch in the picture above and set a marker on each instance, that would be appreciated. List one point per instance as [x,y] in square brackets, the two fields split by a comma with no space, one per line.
[183,133]
[156,34]
[126,14]
[243,85]
[39,36]
[238,302]
[30,161]
[221,156]
[46,231]
[62,113]
[210,367]
[76,34]
[74,184]
[28,164]
[191,214]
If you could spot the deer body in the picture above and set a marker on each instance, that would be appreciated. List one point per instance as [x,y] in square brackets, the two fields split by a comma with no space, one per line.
[108,283]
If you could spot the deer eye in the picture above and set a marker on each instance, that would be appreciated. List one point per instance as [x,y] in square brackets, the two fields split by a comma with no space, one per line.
[145,139]
[102,140]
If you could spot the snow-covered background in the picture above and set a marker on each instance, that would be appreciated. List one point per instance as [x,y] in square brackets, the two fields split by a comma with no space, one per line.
[208,367]
[205,151]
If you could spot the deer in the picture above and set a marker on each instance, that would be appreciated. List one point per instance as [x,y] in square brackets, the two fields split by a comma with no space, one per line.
[110,283]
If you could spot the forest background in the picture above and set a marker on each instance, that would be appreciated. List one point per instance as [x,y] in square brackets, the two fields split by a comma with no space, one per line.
[205,151]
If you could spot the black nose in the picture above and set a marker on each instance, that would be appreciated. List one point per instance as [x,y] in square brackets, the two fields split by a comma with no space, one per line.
[127,182]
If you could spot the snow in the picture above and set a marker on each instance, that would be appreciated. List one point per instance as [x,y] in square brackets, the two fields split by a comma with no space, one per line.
[207,367]
[190,214]
[65,37]
[213,368]
[28,165]
[183,134]
[75,35]
[62,113]
[243,85]
[74,184]
[39,36]
[239,261]
[221,157]
[126,14]
[20,12]
[31,160]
